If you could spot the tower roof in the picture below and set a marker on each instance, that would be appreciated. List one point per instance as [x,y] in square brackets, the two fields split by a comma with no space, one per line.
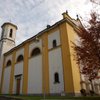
[8,23]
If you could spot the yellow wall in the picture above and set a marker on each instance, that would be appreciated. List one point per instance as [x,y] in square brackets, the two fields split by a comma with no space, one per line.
[25,69]
[45,63]
[12,73]
[2,75]
[75,69]
[67,69]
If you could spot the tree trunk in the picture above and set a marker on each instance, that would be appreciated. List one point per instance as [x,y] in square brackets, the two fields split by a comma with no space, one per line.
[92,91]
[92,85]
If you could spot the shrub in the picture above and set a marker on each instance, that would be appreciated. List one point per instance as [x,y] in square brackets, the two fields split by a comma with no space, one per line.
[91,92]
[83,92]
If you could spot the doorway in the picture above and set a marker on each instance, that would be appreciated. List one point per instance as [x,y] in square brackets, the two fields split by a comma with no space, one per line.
[18,84]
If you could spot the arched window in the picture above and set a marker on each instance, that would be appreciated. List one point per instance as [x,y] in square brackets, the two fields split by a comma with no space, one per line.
[56,78]
[35,52]
[20,58]
[8,63]
[10,34]
[54,43]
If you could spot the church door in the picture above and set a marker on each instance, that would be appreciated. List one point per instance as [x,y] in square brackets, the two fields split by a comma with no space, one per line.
[18,86]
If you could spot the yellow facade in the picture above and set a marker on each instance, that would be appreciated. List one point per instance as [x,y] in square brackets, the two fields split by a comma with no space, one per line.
[45,65]
[2,75]
[25,69]
[12,72]
[68,79]
[71,73]
[75,68]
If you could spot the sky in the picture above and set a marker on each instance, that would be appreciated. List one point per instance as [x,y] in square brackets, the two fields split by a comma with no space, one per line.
[32,16]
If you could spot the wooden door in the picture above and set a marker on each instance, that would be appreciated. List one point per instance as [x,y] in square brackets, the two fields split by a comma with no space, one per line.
[18,86]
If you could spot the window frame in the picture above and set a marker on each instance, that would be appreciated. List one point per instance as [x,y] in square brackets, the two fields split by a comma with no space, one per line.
[37,53]
[8,63]
[10,33]
[54,43]
[20,58]
[56,77]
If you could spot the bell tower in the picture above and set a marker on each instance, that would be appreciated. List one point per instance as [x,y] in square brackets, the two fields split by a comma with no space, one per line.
[8,36]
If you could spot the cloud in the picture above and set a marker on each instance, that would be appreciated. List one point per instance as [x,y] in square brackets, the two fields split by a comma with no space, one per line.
[32,16]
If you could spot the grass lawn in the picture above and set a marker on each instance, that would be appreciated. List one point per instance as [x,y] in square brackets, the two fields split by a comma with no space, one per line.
[54,97]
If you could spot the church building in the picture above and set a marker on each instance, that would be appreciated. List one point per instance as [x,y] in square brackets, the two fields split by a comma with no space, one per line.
[42,64]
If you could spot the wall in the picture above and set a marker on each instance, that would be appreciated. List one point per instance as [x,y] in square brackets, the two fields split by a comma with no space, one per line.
[18,70]
[7,72]
[1,66]
[7,31]
[6,80]
[53,36]
[72,36]
[8,42]
[35,70]
[55,63]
